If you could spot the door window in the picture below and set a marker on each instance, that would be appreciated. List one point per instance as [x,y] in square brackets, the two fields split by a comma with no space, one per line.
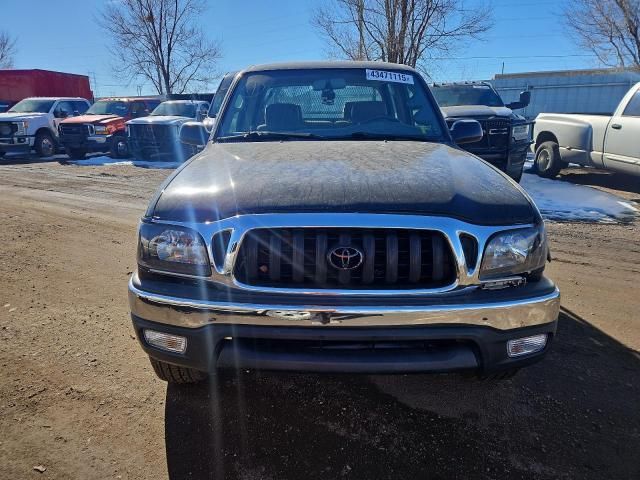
[64,107]
[80,107]
[138,109]
[633,107]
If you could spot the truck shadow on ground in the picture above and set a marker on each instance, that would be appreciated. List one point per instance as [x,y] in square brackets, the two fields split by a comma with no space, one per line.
[601,178]
[26,159]
[574,415]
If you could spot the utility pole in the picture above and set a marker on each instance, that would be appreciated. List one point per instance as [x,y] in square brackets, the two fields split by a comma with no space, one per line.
[139,90]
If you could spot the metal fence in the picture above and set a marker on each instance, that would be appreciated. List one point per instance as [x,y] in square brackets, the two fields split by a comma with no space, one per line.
[572,91]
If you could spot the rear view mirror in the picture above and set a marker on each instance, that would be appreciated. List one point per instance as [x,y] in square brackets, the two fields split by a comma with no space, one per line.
[194,133]
[523,101]
[466,131]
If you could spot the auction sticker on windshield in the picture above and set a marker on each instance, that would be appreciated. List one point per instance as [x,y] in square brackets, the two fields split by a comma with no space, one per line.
[383,75]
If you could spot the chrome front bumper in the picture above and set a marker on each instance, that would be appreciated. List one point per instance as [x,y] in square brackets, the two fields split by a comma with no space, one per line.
[501,313]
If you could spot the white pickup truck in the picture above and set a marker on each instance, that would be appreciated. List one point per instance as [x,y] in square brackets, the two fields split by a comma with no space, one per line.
[601,141]
[32,124]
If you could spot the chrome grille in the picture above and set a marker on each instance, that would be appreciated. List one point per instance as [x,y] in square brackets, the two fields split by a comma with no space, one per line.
[74,129]
[150,133]
[298,258]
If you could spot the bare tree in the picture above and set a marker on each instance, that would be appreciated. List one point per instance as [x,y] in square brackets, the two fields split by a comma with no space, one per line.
[7,50]
[609,28]
[160,40]
[399,31]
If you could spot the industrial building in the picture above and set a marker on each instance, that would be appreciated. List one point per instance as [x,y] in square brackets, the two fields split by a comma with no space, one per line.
[570,91]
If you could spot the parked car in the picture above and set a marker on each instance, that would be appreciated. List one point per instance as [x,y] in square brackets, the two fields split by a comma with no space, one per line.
[221,92]
[602,141]
[333,224]
[157,136]
[102,127]
[32,124]
[507,136]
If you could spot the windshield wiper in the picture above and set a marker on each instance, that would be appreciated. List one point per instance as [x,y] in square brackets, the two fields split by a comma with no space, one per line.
[267,135]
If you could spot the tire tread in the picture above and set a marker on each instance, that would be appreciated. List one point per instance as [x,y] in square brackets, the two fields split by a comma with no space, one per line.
[175,374]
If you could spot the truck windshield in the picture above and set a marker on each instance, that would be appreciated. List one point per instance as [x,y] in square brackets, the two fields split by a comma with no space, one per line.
[177,109]
[109,107]
[453,95]
[332,104]
[32,106]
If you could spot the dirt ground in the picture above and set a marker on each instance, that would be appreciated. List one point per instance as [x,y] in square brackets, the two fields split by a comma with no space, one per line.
[78,396]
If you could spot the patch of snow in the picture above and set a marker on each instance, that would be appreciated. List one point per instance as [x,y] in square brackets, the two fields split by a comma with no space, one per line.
[563,201]
[104,160]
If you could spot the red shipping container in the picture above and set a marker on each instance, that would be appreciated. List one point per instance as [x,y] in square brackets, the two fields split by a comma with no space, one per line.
[18,84]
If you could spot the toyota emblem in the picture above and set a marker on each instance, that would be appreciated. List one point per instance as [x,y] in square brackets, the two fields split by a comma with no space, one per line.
[345,258]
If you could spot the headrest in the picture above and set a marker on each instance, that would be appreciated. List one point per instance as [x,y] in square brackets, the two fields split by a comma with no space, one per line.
[363,111]
[283,116]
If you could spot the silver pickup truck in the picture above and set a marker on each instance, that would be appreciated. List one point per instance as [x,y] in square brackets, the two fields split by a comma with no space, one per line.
[608,142]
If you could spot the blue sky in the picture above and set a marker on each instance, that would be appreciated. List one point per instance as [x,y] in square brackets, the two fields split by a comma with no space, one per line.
[528,35]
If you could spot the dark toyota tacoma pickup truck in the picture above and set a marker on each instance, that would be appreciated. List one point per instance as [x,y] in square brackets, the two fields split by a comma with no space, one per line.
[331,224]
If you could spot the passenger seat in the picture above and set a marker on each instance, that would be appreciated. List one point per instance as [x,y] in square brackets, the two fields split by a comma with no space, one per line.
[359,112]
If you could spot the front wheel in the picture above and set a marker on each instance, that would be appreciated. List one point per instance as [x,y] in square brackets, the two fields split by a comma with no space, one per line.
[119,147]
[44,144]
[548,162]
[175,374]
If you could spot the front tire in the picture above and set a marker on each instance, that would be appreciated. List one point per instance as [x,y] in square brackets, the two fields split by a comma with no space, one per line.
[119,147]
[175,374]
[44,144]
[548,162]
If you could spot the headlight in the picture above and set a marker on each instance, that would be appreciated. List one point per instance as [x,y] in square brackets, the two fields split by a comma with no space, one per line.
[21,127]
[101,130]
[514,252]
[521,132]
[172,249]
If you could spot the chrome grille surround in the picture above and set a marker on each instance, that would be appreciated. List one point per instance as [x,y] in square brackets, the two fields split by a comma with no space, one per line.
[467,272]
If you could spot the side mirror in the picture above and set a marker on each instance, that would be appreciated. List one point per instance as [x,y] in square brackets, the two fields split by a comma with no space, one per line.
[525,99]
[466,131]
[202,114]
[194,133]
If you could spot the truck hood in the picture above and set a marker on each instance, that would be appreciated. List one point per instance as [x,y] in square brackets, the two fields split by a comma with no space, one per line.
[11,117]
[160,120]
[93,119]
[475,111]
[229,179]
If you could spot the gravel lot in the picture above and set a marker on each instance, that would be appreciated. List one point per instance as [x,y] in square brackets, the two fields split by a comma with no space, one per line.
[78,396]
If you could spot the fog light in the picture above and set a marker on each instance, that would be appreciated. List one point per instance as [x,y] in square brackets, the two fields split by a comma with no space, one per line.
[525,345]
[166,341]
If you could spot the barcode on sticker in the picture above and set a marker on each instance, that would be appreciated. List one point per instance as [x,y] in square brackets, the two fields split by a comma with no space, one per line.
[385,76]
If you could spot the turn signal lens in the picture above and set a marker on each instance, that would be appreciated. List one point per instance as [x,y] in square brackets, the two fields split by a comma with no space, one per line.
[165,341]
[526,345]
